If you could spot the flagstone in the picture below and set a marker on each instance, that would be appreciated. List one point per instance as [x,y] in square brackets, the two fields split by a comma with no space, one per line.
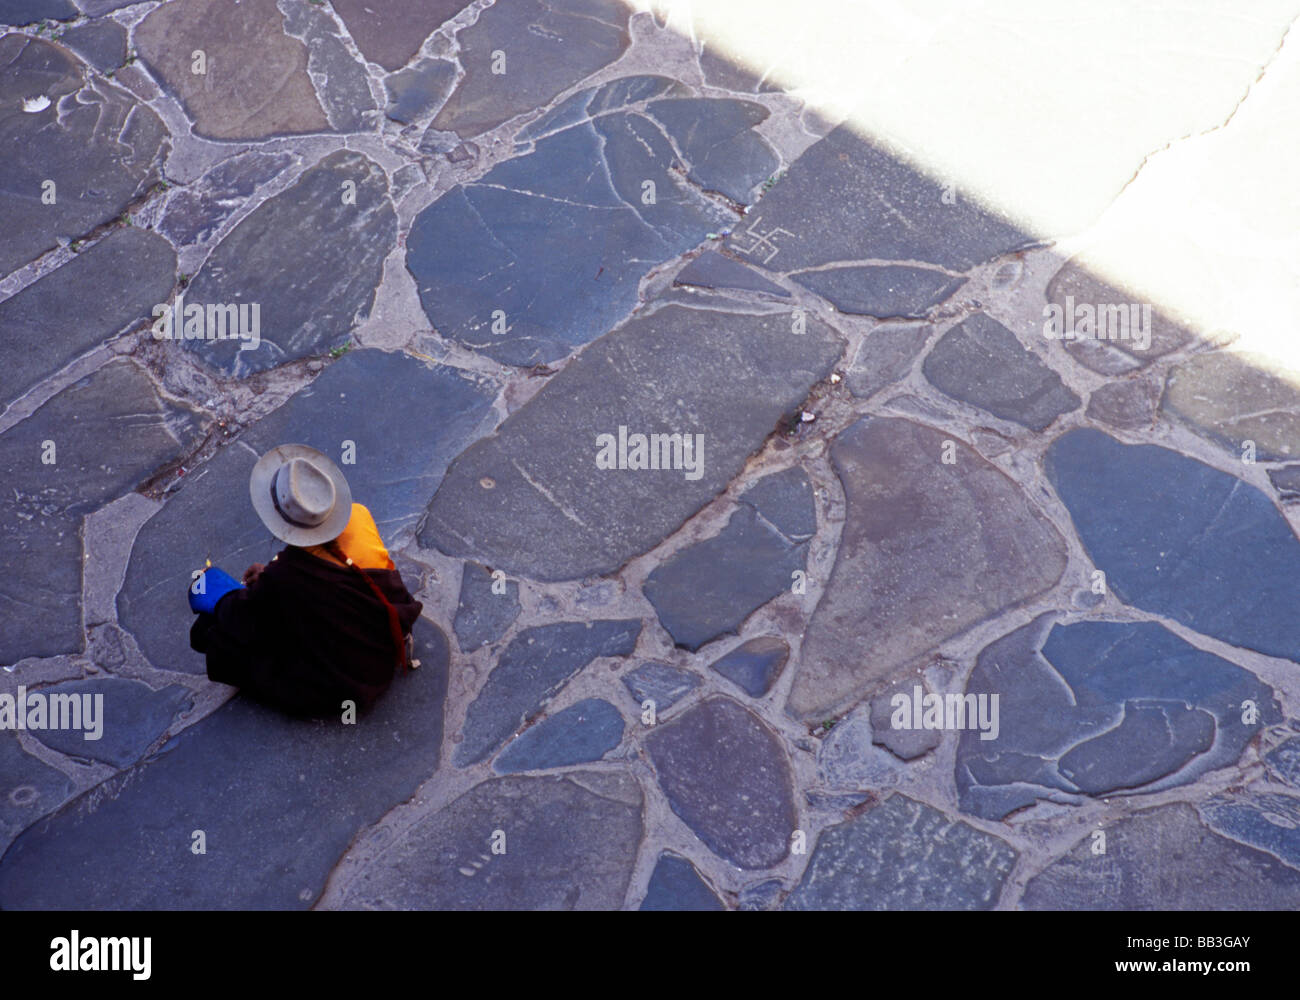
[675,885]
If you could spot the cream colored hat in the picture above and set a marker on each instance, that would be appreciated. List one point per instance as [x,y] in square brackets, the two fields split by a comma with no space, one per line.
[300,495]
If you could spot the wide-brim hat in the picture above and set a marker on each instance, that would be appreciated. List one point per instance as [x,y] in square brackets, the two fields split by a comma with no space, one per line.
[300,495]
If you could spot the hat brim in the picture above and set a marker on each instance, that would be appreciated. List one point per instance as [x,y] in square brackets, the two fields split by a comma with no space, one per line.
[259,491]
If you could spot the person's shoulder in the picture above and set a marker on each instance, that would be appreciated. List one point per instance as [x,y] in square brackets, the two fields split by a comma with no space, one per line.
[361,517]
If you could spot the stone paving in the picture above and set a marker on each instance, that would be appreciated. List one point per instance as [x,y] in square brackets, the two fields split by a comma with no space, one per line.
[476,252]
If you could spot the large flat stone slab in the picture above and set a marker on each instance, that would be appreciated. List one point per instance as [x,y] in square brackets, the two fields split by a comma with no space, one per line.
[659,683]
[342,84]
[133,716]
[310,258]
[903,855]
[980,362]
[108,433]
[1164,859]
[103,291]
[1177,537]
[583,732]
[533,667]
[196,212]
[1265,820]
[278,799]
[100,43]
[713,270]
[22,12]
[675,885]
[569,843]
[847,199]
[889,292]
[482,615]
[885,356]
[1234,398]
[95,141]
[391,32]
[544,253]
[927,550]
[755,665]
[726,776]
[1102,708]
[522,502]
[549,46]
[256,83]
[718,140]
[398,465]
[29,788]
[708,589]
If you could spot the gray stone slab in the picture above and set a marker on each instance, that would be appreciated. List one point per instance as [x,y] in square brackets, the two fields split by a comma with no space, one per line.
[660,683]
[1102,708]
[549,46]
[29,788]
[105,151]
[133,716]
[194,213]
[342,83]
[1286,481]
[885,356]
[278,799]
[847,199]
[482,616]
[927,550]
[907,744]
[392,32]
[310,259]
[1177,537]
[888,292]
[761,896]
[785,500]
[675,885]
[106,434]
[718,140]
[1284,762]
[569,843]
[849,758]
[725,774]
[101,292]
[415,92]
[721,69]
[256,83]
[532,669]
[980,362]
[544,253]
[1235,398]
[1265,820]
[1164,859]
[755,665]
[23,12]
[531,499]
[712,270]
[1128,405]
[583,732]
[903,855]
[100,43]
[400,458]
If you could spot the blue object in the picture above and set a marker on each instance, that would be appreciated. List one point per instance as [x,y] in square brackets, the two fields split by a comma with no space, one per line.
[212,585]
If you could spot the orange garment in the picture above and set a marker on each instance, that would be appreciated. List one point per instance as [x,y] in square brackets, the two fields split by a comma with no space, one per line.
[360,542]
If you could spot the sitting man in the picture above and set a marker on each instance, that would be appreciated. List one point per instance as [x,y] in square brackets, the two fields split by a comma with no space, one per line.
[327,620]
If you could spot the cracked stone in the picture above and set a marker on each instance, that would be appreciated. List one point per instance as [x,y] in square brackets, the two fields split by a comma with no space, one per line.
[755,665]
[886,356]
[90,299]
[727,778]
[849,757]
[391,33]
[29,788]
[1177,537]
[712,270]
[255,782]
[255,82]
[483,617]
[414,92]
[23,12]
[1264,820]
[195,213]
[1112,355]
[570,844]
[927,550]
[717,138]
[543,253]
[980,362]
[892,292]
[530,671]
[1127,405]
[311,293]
[660,683]
[1284,762]
[108,433]
[549,46]
[133,716]
[552,514]
[583,732]
[102,155]
[1101,708]
[675,885]
[400,461]
[882,210]
[903,855]
[100,43]
[709,588]
[1235,398]
[345,95]
[1158,859]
